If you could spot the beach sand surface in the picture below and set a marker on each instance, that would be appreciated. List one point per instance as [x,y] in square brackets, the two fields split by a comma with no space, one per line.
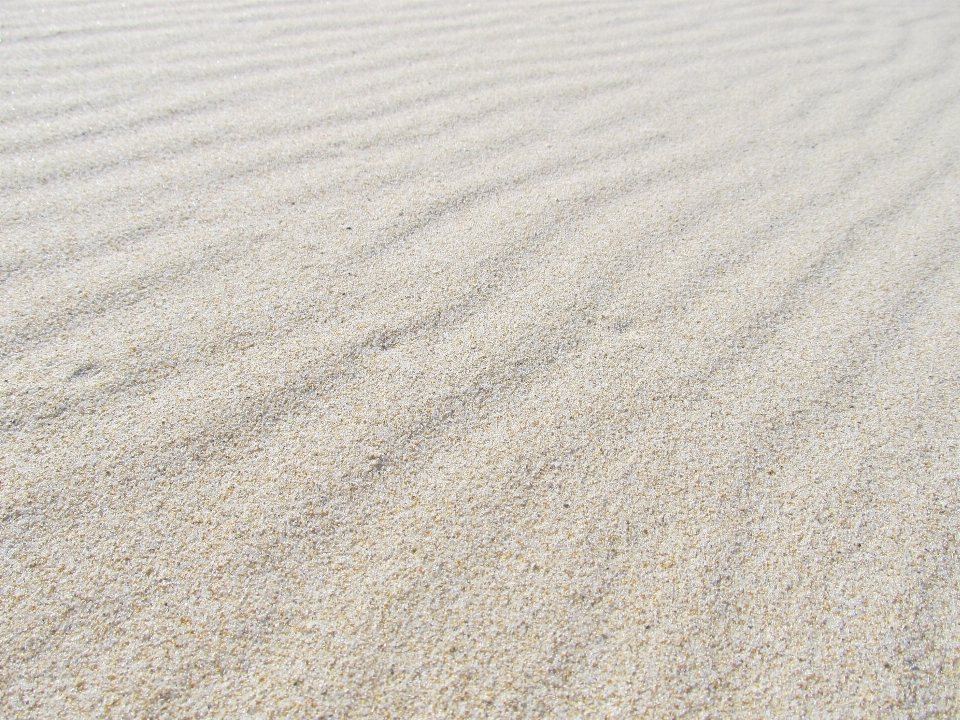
[480,359]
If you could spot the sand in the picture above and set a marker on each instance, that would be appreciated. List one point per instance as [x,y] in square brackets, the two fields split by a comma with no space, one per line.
[452,359]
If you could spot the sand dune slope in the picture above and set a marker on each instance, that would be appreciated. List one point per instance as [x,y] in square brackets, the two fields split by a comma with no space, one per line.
[451,359]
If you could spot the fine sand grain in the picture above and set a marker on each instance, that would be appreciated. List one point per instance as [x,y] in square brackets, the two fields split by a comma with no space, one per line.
[451,359]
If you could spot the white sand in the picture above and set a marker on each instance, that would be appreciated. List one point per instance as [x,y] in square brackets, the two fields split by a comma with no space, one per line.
[505,360]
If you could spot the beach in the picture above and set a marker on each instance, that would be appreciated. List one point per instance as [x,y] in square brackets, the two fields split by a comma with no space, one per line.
[480,359]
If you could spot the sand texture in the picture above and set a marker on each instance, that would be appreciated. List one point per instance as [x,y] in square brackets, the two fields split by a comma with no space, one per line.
[490,359]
